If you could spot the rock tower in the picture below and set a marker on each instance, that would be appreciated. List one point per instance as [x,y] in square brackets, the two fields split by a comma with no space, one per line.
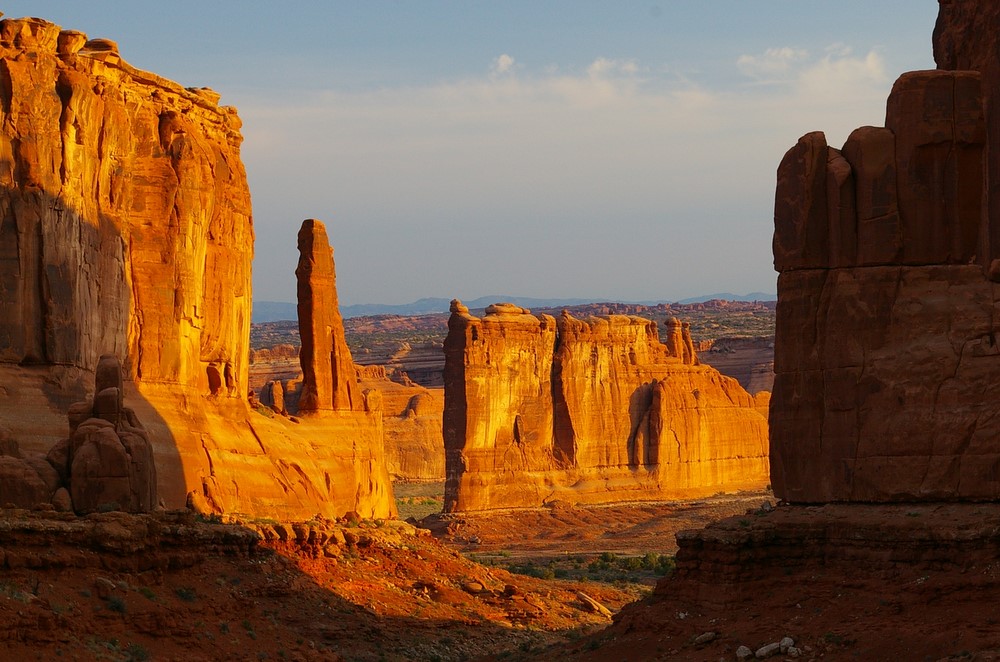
[539,409]
[886,353]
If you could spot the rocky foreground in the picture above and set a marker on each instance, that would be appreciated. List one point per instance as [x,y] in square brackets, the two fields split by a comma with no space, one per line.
[840,582]
[849,581]
[171,586]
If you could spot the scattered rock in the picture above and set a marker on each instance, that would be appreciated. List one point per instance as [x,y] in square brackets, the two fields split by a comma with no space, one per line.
[62,501]
[743,653]
[593,605]
[768,650]
[475,588]
[705,638]
[103,588]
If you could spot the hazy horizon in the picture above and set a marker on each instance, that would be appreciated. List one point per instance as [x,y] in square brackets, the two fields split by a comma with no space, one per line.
[623,151]
[502,297]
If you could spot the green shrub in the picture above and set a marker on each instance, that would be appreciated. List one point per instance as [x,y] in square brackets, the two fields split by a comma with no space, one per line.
[186,593]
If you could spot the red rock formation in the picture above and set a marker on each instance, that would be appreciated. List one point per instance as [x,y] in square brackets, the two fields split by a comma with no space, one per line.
[106,463]
[965,38]
[886,339]
[588,411]
[498,417]
[125,227]
[412,419]
[329,380]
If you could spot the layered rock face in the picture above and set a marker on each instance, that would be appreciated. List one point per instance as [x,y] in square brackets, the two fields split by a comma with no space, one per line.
[412,419]
[125,227]
[588,411]
[121,191]
[886,351]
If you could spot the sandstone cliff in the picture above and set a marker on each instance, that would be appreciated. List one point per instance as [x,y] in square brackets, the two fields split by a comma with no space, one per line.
[125,228]
[886,350]
[588,411]
[412,420]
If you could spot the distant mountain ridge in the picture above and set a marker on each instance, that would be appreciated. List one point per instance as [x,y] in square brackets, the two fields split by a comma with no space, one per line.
[274,311]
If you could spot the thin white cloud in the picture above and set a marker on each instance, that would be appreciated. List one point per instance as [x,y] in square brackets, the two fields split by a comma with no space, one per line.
[503,64]
[828,75]
[837,73]
[603,67]
[602,145]
[774,64]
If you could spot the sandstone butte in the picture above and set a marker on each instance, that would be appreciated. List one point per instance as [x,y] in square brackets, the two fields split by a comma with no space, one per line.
[887,354]
[126,229]
[539,410]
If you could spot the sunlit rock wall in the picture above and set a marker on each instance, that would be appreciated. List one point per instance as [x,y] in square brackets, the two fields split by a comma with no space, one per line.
[125,228]
[589,411]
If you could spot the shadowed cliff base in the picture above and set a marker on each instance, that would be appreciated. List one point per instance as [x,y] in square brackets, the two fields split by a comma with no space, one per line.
[64,302]
[842,581]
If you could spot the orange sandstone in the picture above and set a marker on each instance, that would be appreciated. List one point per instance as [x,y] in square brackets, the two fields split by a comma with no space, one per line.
[588,411]
[126,229]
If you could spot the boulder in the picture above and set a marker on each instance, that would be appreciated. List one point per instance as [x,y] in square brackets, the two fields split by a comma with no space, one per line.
[107,463]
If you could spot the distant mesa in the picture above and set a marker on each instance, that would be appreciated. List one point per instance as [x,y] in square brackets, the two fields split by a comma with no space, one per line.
[589,411]
[276,311]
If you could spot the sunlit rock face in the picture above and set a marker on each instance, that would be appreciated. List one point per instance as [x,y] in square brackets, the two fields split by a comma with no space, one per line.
[886,354]
[412,421]
[539,409]
[329,381]
[125,216]
[125,228]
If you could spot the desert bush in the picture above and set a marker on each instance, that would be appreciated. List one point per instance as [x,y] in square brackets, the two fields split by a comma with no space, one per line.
[186,593]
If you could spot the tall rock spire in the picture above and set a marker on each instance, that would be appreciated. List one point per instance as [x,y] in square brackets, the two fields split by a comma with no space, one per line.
[329,382]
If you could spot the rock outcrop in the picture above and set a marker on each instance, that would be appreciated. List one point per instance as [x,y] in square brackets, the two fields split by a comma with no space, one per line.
[588,411]
[886,349]
[107,460]
[125,227]
[412,419]
[106,463]
[329,380]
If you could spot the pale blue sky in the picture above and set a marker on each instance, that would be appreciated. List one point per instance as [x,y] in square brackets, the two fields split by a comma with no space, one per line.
[616,150]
